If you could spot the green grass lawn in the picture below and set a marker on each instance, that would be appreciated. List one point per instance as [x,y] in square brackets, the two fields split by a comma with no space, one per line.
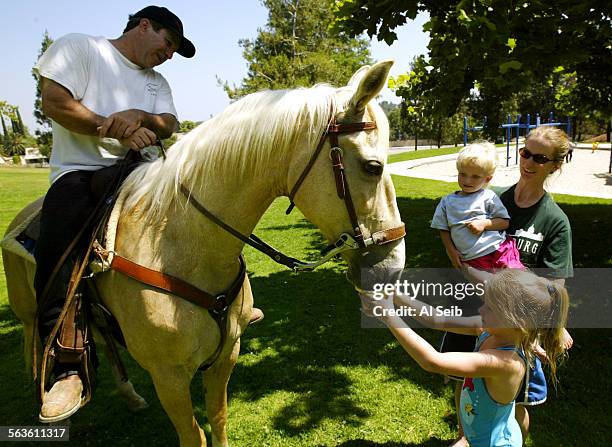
[309,375]
[425,153]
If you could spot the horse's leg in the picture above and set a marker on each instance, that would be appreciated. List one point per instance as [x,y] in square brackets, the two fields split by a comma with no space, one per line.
[135,401]
[172,386]
[215,387]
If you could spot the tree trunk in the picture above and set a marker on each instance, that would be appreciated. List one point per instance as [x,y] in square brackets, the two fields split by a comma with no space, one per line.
[416,135]
[20,122]
[6,140]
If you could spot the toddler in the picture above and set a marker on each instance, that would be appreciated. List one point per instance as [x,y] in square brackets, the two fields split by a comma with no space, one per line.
[471,221]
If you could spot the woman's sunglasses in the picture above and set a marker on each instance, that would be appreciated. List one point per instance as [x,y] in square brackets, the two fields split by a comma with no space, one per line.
[538,158]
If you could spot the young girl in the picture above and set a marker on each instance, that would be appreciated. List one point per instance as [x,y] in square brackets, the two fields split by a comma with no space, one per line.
[471,221]
[519,308]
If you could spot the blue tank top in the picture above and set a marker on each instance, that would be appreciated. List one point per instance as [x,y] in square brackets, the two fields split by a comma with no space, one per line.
[487,423]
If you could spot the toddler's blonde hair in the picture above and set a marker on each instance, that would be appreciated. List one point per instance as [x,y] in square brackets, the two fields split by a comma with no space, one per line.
[480,154]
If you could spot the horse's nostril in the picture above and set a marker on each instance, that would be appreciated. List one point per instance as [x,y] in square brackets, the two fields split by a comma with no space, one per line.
[374,167]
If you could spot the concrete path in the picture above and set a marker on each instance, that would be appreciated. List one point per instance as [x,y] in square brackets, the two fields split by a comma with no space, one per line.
[586,175]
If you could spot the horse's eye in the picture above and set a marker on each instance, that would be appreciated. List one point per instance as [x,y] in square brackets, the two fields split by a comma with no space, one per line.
[373,167]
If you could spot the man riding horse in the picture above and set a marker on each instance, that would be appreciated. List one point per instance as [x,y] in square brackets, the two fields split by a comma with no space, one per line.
[104,99]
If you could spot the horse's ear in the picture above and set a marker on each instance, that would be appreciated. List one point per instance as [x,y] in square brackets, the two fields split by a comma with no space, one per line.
[371,82]
[358,76]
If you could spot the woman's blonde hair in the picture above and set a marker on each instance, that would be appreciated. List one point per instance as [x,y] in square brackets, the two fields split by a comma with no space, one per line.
[535,306]
[556,138]
[480,154]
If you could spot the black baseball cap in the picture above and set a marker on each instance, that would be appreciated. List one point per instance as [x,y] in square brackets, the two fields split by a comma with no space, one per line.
[167,19]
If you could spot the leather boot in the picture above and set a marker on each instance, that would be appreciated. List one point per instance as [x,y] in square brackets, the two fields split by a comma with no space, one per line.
[63,400]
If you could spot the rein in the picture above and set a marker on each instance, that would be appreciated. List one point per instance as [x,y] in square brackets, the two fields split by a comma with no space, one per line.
[345,241]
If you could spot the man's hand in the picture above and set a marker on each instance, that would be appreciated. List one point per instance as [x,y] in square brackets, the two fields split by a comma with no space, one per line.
[122,124]
[139,139]
[477,226]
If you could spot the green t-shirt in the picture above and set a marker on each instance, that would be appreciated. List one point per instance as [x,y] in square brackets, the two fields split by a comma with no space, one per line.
[542,234]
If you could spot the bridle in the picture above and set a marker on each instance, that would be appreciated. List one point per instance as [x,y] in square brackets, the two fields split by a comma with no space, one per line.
[342,188]
[345,241]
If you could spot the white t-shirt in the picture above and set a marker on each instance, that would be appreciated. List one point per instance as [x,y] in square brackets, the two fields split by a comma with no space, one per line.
[457,209]
[104,81]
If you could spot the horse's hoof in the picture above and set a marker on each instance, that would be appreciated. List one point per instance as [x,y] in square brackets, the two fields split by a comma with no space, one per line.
[137,404]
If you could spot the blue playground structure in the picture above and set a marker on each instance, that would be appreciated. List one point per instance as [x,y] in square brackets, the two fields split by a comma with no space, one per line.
[518,126]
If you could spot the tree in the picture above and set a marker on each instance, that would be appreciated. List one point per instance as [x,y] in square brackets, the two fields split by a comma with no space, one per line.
[298,48]
[44,135]
[15,139]
[396,124]
[503,46]
[188,125]
[6,139]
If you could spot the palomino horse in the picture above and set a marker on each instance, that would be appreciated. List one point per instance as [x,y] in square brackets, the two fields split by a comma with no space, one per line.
[236,164]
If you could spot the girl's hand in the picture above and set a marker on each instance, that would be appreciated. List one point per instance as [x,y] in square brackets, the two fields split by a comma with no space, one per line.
[371,300]
[540,353]
[367,302]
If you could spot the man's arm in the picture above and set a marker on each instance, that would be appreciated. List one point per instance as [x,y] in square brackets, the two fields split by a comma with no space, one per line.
[131,127]
[123,124]
[59,105]
[164,124]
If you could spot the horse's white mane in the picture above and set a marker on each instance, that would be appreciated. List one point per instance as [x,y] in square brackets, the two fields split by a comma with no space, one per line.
[252,132]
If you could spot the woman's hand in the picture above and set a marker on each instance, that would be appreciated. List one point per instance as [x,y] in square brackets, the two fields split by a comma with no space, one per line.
[567,341]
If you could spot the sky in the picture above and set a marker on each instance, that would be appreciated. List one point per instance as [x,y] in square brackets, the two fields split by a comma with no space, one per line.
[213,26]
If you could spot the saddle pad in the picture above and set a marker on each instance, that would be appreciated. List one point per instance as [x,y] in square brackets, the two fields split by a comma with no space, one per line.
[28,230]
[11,241]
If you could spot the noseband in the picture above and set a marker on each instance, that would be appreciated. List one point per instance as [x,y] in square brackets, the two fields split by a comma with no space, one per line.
[345,241]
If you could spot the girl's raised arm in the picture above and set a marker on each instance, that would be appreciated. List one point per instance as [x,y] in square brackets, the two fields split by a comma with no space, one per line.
[424,314]
[488,363]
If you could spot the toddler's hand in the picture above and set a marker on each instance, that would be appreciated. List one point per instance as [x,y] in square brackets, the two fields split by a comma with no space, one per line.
[454,256]
[476,226]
